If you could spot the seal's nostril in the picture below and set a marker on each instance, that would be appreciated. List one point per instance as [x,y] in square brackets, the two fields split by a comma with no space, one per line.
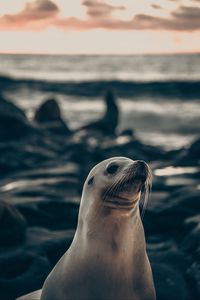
[112,168]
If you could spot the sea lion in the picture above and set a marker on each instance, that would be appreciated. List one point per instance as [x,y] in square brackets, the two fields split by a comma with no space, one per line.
[49,116]
[107,258]
[108,123]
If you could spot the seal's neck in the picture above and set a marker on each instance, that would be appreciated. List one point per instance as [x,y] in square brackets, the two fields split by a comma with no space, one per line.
[118,234]
[112,245]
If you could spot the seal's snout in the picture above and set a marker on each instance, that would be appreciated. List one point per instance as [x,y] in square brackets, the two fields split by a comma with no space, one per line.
[141,164]
[140,170]
[143,170]
[127,179]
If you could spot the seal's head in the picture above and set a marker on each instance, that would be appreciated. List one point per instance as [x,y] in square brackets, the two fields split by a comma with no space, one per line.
[116,184]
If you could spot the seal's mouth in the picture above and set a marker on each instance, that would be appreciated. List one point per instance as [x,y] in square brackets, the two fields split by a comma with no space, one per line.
[124,192]
[123,195]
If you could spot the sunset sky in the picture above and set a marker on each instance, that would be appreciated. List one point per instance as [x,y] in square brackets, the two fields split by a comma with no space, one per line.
[99,26]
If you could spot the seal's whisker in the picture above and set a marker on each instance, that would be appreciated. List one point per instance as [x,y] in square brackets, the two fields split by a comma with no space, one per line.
[111,188]
[118,184]
[115,186]
[147,193]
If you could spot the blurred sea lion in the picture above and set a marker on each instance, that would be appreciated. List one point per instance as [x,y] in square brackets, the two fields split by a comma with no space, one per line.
[106,125]
[49,115]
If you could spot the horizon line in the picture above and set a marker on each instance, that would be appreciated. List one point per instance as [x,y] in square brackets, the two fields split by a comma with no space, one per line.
[101,54]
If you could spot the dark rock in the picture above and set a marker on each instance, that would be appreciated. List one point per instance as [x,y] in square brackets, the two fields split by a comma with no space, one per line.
[191,245]
[178,206]
[50,214]
[21,155]
[168,265]
[11,108]
[12,225]
[189,156]
[191,242]
[52,244]
[130,147]
[194,274]
[21,273]
[169,282]
[13,122]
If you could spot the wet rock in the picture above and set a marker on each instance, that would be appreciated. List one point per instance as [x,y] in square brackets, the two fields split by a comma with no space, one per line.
[191,246]
[130,147]
[50,214]
[191,242]
[21,273]
[169,282]
[168,265]
[52,244]
[22,155]
[11,108]
[194,274]
[189,156]
[12,225]
[13,122]
[178,206]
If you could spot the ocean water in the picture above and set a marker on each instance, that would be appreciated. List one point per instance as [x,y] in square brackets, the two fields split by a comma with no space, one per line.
[158,95]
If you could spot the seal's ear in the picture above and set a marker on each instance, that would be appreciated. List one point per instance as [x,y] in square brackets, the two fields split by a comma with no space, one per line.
[91,180]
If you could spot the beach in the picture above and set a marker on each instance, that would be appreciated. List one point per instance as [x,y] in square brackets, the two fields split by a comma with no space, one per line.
[44,160]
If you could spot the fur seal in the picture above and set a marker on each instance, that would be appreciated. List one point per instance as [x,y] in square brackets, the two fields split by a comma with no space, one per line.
[108,123]
[107,259]
[49,115]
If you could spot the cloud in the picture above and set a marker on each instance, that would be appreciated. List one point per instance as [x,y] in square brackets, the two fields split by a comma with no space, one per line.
[182,19]
[156,6]
[35,14]
[99,9]
[39,14]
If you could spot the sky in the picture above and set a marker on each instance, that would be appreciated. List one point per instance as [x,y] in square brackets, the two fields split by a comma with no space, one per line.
[100,26]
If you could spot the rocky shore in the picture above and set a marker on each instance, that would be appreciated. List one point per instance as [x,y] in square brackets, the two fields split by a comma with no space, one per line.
[43,166]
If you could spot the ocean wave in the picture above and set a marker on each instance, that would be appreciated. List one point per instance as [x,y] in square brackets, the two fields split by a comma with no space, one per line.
[184,89]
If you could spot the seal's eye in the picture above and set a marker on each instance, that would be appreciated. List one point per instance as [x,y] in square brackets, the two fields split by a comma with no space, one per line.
[91,180]
[112,169]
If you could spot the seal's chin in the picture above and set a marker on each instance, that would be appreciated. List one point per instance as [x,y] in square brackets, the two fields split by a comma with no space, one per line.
[119,202]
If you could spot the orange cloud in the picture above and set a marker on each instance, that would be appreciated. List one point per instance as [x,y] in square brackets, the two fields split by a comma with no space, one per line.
[35,15]
[40,14]
[183,19]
